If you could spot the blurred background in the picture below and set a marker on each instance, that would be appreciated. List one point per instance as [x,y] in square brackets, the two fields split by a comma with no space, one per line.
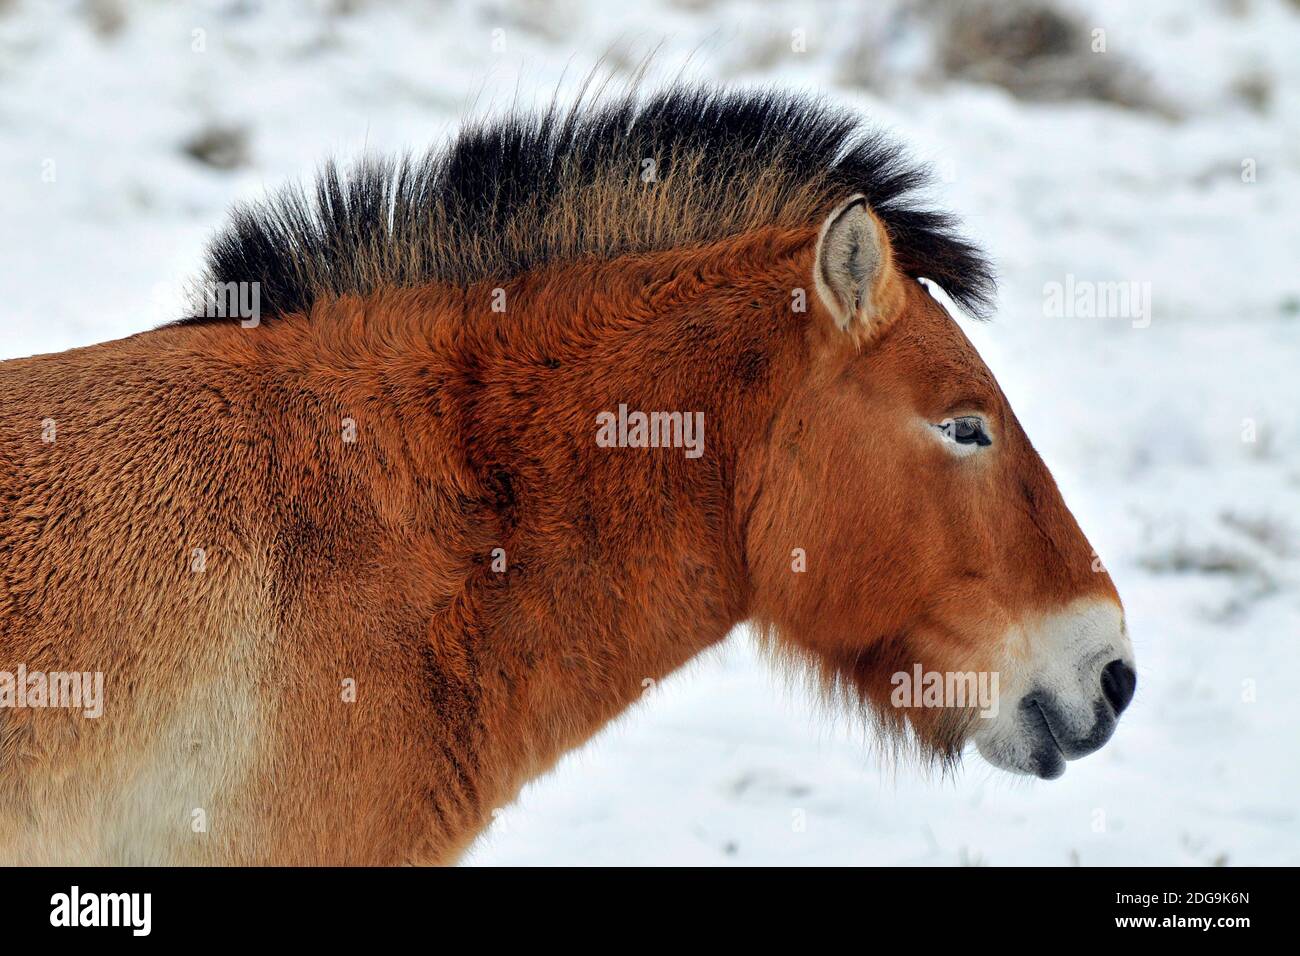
[1083,143]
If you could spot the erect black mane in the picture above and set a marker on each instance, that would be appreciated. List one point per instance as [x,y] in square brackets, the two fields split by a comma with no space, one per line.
[510,194]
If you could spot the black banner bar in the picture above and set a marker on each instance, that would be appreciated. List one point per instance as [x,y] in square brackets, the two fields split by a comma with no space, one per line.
[927,905]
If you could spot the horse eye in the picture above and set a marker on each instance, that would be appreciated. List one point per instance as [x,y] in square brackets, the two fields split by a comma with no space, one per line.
[967,430]
[970,431]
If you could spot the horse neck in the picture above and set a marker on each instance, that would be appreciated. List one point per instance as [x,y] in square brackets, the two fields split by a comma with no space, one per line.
[560,580]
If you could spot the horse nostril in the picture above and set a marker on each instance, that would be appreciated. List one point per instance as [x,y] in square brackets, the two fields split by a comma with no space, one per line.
[1118,681]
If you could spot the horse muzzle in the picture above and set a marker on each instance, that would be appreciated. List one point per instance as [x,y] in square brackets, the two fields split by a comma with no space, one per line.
[1072,676]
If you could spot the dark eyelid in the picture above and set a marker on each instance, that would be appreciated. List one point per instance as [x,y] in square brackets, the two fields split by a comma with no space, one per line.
[975,426]
[978,435]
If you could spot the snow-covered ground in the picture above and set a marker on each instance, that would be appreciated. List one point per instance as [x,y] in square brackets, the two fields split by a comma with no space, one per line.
[1176,440]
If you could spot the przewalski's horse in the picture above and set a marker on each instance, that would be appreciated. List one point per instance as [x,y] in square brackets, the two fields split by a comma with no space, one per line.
[517,427]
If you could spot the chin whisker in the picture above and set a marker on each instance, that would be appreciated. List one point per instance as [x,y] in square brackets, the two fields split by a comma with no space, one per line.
[926,740]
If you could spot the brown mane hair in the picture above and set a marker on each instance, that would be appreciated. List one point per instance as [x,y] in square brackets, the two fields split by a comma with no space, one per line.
[604,177]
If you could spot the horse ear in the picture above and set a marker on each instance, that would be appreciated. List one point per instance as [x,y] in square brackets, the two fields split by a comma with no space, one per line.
[854,270]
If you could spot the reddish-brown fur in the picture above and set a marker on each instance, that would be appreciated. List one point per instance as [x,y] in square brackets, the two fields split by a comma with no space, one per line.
[329,560]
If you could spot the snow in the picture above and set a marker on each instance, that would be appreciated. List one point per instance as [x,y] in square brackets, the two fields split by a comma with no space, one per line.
[1177,444]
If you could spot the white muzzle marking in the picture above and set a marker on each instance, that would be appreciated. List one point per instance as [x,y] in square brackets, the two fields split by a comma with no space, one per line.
[1065,680]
